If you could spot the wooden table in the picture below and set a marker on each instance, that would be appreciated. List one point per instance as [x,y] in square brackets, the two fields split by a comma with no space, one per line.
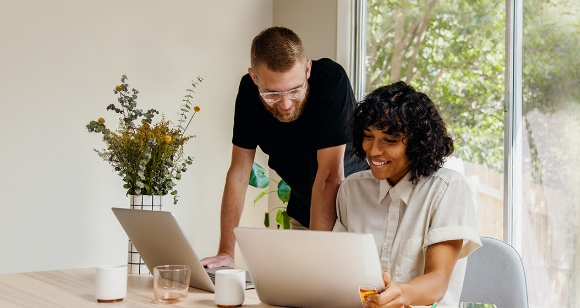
[76,288]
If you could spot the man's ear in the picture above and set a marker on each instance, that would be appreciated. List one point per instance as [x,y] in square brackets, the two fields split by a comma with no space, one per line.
[308,68]
[254,78]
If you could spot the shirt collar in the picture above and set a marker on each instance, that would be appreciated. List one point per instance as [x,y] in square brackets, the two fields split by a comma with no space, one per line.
[404,188]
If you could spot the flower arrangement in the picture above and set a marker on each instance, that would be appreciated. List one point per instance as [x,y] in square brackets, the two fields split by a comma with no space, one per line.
[148,156]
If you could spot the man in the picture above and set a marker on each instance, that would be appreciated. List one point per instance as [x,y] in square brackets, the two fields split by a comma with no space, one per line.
[297,111]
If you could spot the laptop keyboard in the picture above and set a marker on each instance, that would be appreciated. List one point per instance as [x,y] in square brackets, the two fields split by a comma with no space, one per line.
[211,276]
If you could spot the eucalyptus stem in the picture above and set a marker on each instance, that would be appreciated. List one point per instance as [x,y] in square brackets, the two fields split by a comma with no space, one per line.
[186,126]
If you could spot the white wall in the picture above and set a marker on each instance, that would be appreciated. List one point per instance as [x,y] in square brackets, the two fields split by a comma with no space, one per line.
[59,61]
[315,23]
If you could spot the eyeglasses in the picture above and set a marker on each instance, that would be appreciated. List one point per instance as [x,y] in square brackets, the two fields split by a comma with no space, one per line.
[273,97]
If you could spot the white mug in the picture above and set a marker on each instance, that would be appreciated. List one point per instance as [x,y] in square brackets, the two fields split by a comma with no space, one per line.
[110,283]
[230,287]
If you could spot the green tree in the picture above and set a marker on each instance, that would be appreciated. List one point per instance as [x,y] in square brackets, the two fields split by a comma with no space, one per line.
[551,115]
[550,84]
[453,50]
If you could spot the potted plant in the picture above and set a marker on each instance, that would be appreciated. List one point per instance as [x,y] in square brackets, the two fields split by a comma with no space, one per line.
[148,156]
[259,179]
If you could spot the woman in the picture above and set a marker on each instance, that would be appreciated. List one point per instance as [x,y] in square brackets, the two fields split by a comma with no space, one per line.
[420,214]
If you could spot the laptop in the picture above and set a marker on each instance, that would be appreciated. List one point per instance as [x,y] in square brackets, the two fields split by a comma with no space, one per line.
[160,241]
[301,268]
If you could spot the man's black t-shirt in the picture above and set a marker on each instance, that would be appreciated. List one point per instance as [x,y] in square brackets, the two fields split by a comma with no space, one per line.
[292,146]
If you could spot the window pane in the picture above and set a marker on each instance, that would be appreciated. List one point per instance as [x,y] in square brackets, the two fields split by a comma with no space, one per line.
[551,128]
[452,50]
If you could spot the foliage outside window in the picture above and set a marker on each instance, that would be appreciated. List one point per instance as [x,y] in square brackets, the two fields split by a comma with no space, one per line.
[452,50]
[551,176]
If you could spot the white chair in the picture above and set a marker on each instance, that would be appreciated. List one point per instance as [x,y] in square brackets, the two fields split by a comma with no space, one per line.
[495,274]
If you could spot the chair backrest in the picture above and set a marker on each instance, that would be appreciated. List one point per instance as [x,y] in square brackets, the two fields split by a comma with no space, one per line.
[495,274]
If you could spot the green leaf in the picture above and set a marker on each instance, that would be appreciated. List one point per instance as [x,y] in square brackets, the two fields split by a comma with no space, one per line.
[261,195]
[267,219]
[283,219]
[283,191]
[258,177]
[286,224]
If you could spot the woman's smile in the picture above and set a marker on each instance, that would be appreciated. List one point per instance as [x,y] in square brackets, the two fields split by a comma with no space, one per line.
[386,155]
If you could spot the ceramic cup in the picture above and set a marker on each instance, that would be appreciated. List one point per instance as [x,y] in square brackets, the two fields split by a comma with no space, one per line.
[171,283]
[110,283]
[230,287]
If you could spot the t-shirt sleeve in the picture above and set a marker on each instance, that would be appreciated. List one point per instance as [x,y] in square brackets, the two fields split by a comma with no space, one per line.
[333,126]
[243,133]
[454,218]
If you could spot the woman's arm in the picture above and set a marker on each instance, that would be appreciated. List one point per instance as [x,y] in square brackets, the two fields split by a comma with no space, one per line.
[426,289]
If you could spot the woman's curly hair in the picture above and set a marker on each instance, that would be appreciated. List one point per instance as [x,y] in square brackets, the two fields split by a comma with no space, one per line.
[399,110]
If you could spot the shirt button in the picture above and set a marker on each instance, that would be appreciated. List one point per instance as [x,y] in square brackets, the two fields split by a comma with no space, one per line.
[392,217]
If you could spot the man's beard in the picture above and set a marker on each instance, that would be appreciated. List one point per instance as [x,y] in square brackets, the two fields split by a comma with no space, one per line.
[287,117]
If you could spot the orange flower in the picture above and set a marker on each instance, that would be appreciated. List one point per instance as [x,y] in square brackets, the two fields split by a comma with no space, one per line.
[196,109]
[101,120]
[167,139]
[118,88]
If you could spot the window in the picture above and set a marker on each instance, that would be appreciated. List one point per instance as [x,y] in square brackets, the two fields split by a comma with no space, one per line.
[526,189]
[452,50]
[550,147]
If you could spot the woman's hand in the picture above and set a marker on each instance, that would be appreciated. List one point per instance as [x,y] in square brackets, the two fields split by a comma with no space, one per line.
[426,289]
[391,297]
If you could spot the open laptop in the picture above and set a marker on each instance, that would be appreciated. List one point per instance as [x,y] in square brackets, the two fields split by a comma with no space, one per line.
[301,268]
[160,241]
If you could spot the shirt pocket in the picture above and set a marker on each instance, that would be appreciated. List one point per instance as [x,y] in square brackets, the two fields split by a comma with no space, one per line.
[410,261]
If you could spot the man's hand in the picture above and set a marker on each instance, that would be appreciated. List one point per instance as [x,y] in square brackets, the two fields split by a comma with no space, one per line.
[221,260]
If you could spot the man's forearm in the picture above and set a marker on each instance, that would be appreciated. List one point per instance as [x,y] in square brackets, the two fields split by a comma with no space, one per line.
[231,211]
[329,175]
[323,205]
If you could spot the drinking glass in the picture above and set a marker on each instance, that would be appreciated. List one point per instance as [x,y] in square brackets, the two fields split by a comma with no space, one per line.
[171,283]
[476,305]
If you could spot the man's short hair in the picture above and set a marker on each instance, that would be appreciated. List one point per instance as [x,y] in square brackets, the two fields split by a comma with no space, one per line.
[278,48]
